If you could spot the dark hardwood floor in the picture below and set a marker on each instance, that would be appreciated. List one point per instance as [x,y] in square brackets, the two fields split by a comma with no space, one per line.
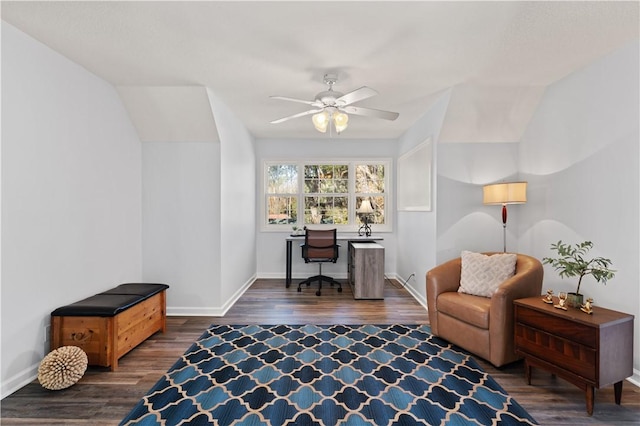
[102,397]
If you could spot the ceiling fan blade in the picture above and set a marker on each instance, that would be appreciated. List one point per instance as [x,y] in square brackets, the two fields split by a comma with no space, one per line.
[300,114]
[357,95]
[369,112]
[302,101]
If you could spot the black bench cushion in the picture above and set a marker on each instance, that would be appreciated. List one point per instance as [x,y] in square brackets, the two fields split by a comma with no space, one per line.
[100,305]
[140,289]
[111,302]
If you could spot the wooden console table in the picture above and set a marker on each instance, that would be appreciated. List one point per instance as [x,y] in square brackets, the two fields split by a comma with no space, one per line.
[590,351]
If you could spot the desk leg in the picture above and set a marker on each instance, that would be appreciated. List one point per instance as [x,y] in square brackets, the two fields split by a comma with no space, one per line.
[288,277]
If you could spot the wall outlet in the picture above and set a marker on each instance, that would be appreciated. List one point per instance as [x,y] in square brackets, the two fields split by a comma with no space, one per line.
[47,332]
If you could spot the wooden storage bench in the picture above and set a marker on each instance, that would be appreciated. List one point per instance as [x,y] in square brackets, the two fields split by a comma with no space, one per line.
[109,324]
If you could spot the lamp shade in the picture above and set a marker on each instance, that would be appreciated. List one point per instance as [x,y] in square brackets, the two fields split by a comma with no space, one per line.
[365,206]
[321,121]
[505,193]
[340,120]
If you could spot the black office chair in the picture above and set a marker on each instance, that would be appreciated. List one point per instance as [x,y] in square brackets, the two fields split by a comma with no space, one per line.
[320,246]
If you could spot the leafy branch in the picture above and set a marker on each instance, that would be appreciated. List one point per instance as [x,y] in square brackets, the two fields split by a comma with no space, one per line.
[572,263]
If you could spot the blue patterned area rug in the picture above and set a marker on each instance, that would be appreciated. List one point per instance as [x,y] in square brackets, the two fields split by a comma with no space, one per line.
[325,375]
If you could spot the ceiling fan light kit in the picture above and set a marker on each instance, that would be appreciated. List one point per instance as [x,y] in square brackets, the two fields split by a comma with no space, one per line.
[332,108]
[328,116]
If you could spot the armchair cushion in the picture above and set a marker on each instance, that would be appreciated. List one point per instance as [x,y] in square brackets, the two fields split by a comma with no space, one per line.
[470,309]
[481,275]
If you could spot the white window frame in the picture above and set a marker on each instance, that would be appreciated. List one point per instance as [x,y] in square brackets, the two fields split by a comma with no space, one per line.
[353,225]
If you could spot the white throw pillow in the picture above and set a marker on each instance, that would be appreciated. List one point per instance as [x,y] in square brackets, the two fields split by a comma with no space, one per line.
[482,275]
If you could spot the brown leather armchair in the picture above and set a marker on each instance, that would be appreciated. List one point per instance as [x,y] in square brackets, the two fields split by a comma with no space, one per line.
[481,325]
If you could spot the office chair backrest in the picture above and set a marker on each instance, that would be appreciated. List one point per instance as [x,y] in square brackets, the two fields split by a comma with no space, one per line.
[320,246]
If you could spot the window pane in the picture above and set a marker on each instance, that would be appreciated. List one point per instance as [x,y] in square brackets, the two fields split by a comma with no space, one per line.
[282,210]
[378,216]
[310,172]
[326,186]
[378,203]
[370,178]
[310,186]
[312,214]
[326,179]
[342,171]
[326,210]
[282,179]
[342,186]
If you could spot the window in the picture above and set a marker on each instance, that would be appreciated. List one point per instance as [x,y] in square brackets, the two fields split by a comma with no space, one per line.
[370,184]
[326,194]
[330,193]
[282,189]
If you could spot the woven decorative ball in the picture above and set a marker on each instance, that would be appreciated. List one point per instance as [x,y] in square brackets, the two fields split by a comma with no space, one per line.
[62,367]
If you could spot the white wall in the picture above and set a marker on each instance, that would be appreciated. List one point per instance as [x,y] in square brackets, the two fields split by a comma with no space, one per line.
[464,223]
[71,214]
[181,223]
[199,217]
[416,231]
[237,203]
[271,254]
[580,156]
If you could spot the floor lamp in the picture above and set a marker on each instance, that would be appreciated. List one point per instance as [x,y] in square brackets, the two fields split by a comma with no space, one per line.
[505,193]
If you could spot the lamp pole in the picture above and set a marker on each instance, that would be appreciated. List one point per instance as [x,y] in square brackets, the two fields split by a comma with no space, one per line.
[504,228]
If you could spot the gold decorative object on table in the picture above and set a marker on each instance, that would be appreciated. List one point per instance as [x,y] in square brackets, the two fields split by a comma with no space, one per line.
[562,300]
[586,308]
[549,297]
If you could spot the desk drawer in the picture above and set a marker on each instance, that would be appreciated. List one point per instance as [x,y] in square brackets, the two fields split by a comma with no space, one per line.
[560,327]
[564,353]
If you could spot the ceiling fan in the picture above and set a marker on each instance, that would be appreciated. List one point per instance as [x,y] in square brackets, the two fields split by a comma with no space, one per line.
[331,107]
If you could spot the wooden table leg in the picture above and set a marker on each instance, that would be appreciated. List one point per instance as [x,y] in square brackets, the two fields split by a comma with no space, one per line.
[590,394]
[527,371]
[617,390]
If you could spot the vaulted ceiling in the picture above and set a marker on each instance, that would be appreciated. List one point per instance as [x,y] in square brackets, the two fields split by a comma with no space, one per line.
[166,58]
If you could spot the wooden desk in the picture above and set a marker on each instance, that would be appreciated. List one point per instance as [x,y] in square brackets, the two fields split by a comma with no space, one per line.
[292,238]
[590,351]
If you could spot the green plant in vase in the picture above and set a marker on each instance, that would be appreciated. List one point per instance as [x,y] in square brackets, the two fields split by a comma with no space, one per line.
[571,262]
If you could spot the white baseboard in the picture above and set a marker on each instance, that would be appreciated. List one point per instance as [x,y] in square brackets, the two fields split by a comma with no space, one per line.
[219,311]
[419,298]
[635,379]
[19,380]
